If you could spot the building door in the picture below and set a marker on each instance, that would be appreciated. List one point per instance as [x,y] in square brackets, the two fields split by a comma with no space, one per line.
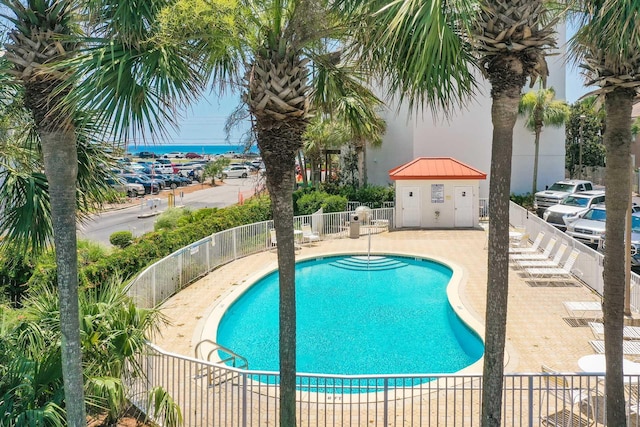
[411,207]
[463,207]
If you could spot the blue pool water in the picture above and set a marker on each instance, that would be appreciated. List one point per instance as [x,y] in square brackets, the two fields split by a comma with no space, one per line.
[392,319]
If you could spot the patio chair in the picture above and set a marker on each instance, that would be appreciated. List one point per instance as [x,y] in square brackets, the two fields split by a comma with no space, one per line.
[554,263]
[272,237]
[529,249]
[629,348]
[556,272]
[544,255]
[308,235]
[628,332]
[562,399]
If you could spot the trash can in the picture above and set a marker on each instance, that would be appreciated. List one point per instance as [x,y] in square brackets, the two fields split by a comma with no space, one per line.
[354,226]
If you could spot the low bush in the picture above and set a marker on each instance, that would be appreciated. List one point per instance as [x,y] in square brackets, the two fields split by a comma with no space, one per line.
[121,239]
[524,200]
[311,201]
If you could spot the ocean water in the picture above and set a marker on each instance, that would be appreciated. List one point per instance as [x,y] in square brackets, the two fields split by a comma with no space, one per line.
[200,149]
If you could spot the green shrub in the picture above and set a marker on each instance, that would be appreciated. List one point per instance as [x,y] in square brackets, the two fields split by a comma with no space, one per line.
[524,200]
[312,201]
[172,218]
[121,239]
[372,195]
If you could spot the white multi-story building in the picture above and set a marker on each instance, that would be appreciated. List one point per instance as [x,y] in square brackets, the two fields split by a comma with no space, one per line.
[467,135]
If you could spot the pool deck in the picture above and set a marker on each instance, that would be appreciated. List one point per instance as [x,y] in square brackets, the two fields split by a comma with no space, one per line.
[537,328]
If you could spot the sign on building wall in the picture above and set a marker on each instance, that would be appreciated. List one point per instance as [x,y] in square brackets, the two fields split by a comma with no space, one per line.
[437,193]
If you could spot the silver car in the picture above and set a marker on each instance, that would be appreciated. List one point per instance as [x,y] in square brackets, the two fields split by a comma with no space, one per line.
[235,171]
[590,227]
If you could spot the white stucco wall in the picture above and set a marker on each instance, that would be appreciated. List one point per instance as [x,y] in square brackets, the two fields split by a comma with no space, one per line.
[428,216]
[467,135]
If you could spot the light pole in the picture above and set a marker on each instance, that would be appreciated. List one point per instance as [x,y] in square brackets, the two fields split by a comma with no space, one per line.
[580,142]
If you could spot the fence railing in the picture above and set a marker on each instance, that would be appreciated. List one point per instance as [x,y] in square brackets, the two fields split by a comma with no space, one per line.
[212,395]
[590,263]
[171,274]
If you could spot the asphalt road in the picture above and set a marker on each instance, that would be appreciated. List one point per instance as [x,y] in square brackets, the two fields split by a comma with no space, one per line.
[140,219]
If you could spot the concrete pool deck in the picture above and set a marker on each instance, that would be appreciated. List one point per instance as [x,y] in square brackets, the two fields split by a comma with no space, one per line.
[537,332]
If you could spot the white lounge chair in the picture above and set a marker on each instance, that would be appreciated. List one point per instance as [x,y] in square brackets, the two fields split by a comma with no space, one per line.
[628,332]
[556,272]
[554,263]
[630,348]
[579,309]
[528,249]
[308,235]
[544,255]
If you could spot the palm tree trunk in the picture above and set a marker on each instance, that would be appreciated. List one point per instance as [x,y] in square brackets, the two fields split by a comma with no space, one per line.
[617,139]
[278,148]
[61,168]
[504,112]
[534,188]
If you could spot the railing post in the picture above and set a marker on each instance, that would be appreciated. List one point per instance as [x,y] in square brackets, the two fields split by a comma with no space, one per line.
[386,402]
[530,400]
[234,237]
[244,400]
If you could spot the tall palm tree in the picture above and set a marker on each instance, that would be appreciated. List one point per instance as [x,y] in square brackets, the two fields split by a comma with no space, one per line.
[541,109]
[423,46]
[269,59]
[607,46]
[134,83]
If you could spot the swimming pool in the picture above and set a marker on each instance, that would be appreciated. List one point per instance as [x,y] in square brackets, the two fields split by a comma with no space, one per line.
[356,315]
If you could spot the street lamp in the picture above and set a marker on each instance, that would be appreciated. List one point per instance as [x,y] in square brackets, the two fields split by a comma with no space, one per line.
[580,142]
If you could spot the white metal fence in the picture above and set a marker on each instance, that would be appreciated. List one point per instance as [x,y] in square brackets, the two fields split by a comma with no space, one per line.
[213,395]
[171,274]
[589,265]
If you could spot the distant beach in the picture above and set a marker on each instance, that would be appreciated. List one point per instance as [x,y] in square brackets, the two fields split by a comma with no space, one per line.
[199,149]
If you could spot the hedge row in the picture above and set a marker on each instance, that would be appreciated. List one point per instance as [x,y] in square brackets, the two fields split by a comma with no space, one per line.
[151,247]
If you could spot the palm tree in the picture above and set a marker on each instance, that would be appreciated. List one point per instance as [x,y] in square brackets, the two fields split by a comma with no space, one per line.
[424,47]
[134,82]
[607,46]
[541,109]
[275,43]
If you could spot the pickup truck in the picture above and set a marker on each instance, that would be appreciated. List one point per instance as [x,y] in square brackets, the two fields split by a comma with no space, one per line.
[557,192]
[571,207]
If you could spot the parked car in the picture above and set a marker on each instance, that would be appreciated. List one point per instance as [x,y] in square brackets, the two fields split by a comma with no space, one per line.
[174,155]
[191,155]
[589,227]
[571,207]
[150,187]
[129,188]
[236,171]
[635,241]
[146,155]
[557,192]
[174,181]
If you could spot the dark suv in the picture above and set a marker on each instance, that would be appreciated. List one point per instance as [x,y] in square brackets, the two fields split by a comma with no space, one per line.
[150,187]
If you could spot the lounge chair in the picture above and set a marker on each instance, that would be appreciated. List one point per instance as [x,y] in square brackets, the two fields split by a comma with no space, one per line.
[630,348]
[628,332]
[544,255]
[554,263]
[308,235]
[559,390]
[578,309]
[530,249]
[556,272]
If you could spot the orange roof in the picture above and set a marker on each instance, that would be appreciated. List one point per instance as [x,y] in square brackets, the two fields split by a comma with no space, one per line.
[435,168]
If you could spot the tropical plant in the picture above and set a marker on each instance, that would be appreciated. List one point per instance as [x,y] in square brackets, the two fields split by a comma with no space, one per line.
[121,239]
[541,109]
[132,81]
[583,132]
[276,41]
[607,47]
[427,51]
[214,169]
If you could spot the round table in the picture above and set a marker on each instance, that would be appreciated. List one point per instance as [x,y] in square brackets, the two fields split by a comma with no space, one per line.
[596,363]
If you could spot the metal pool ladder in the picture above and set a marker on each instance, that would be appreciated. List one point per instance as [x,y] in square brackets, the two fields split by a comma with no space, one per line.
[232,359]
